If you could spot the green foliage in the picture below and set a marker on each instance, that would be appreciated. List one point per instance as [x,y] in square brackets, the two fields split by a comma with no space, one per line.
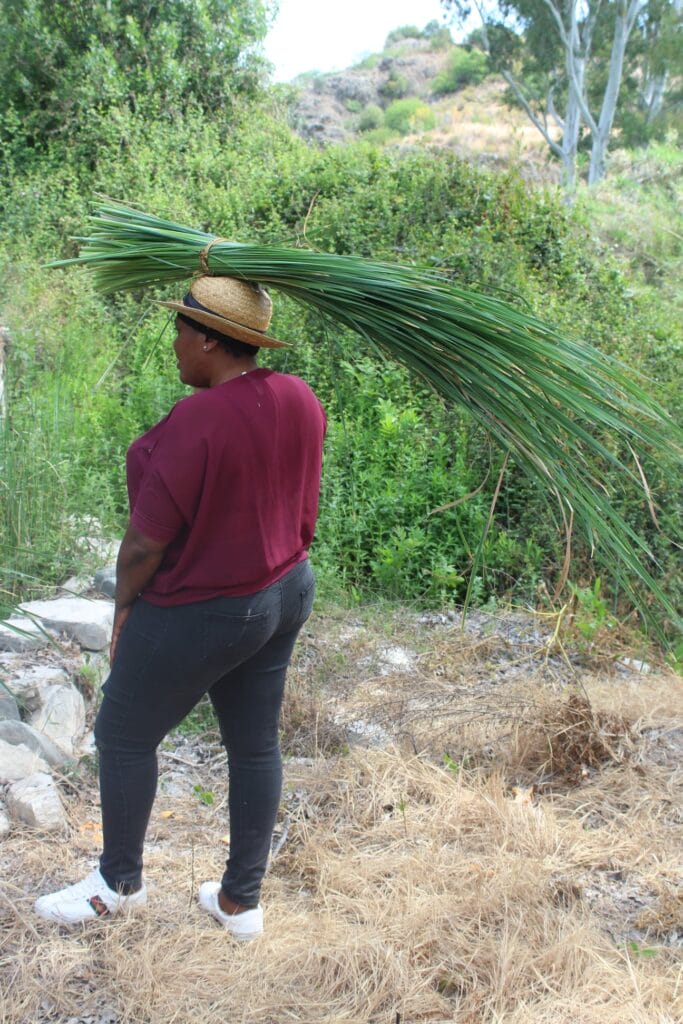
[64,63]
[590,616]
[522,38]
[205,796]
[409,115]
[440,39]
[371,117]
[379,136]
[395,86]
[463,67]
[403,32]
[369,62]
[87,374]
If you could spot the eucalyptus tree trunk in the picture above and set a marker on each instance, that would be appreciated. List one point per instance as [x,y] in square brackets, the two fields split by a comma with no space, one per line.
[652,95]
[627,11]
[570,140]
[576,21]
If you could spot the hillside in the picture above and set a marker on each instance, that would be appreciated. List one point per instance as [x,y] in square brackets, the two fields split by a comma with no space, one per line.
[473,121]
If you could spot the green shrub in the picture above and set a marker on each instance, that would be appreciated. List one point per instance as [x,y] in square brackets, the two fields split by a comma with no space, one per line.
[439,36]
[463,67]
[86,374]
[371,118]
[409,115]
[369,62]
[395,87]
[441,40]
[403,32]
[379,136]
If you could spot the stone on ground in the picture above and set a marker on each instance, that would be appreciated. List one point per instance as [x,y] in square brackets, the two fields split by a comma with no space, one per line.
[35,801]
[105,580]
[19,633]
[75,586]
[87,622]
[19,733]
[61,717]
[29,683]
[18,762]
[4,821]
[9,709]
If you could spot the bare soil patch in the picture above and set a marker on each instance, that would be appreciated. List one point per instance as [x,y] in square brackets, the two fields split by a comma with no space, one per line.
[474,829]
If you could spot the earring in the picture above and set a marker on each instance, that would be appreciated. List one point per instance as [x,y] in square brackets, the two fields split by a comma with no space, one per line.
[206,348]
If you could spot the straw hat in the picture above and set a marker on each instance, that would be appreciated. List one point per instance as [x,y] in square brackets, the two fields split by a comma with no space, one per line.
[236,308]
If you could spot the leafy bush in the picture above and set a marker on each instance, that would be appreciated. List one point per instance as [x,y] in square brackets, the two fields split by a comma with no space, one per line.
[409,115]
[463,67]
[441,40]
[439,36]
[371,117]
[86,374]
[379,136]
[395,87]
[369,62]
[403,32]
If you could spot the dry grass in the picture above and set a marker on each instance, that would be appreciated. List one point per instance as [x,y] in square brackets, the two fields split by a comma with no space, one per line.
[405,889]
[476,123]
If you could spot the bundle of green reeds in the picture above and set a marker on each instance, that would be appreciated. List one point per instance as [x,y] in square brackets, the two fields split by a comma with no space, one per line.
[548,400]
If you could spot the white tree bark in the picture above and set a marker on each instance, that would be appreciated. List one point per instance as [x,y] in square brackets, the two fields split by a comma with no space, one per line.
[627,12]
[546,116]
[575,21]
[652,95]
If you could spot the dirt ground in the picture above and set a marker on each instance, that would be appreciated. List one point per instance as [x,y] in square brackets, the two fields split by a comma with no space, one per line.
[476,826]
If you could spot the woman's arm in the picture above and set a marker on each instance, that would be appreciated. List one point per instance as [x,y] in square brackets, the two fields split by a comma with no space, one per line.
[138,560]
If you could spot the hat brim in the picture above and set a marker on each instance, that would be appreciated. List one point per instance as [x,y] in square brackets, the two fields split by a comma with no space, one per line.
[225,326]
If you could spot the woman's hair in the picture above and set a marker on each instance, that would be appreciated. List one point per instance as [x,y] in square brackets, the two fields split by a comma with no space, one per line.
[231,345]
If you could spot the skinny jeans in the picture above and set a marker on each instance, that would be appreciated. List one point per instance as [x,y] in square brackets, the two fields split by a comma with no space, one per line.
[236,649]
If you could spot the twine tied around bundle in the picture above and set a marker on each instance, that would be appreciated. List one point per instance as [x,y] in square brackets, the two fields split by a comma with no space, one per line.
[204,254]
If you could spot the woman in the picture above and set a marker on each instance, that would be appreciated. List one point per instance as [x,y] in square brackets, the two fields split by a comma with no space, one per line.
[213,586]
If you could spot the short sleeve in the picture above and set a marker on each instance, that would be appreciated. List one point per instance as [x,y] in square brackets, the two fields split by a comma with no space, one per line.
[171,490]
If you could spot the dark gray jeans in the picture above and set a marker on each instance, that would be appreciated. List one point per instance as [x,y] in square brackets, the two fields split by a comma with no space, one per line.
[236,649]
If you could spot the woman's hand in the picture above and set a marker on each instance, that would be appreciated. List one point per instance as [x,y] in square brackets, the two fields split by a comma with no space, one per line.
[139,558]
[120,616]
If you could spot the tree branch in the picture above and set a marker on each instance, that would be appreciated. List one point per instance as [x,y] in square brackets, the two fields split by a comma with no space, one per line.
[542,126]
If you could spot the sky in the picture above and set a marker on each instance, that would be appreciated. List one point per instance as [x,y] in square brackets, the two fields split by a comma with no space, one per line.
[328,35]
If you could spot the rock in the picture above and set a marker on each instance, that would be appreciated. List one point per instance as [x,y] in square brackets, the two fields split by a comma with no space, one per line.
[18,762]
[32,685]
[37,677]
[19,633]
[35,801]
[634,665]
[61,717]
[87,745]
[4,821]
[9,708]
[350,86]
[75,586]
[21,734]
[87,622]
[396,659]
[105,580]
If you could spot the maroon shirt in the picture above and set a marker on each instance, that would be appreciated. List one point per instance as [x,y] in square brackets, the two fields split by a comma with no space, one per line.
[230,481]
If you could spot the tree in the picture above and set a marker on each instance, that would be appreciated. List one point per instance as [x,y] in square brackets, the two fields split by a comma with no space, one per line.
[552,53]
[64,61]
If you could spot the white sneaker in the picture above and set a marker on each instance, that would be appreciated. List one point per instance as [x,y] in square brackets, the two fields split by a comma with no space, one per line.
[243,927]
[86,901]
